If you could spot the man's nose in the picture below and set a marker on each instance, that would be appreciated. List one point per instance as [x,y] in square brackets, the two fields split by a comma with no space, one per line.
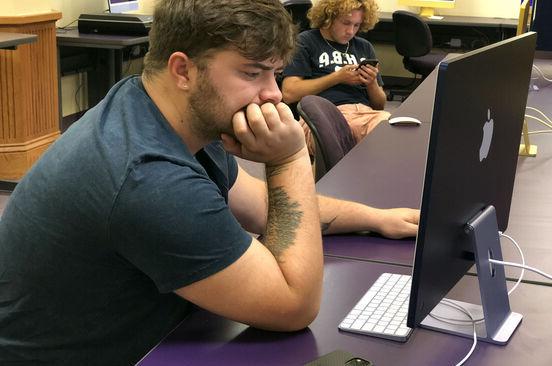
[270,93]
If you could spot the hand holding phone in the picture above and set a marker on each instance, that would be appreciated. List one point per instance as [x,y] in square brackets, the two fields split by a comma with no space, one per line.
[368,61]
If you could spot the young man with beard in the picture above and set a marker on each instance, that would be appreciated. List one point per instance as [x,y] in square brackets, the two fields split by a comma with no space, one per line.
[327,64]
[139,210]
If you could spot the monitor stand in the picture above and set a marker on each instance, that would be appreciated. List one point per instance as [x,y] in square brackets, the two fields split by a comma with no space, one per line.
[499,321]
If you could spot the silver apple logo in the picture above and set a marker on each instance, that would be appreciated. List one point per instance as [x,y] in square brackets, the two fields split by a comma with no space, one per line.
[487,137]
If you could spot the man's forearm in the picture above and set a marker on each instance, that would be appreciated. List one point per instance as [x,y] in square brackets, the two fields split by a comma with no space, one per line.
[293,225]
[377,96]
[339,216]
[294,91]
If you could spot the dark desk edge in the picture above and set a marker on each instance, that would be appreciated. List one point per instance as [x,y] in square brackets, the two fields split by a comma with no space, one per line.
[12,40]
[72,37]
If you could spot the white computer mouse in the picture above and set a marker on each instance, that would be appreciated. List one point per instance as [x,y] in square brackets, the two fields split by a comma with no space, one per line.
[404,121]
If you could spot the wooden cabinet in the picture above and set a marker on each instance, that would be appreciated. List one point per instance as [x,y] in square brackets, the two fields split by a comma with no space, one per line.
[29,105]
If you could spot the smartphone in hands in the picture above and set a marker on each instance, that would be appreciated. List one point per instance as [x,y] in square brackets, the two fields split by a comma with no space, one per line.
[368,61]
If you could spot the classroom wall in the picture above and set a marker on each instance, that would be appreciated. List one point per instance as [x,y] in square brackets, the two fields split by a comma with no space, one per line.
[476,8]
[74,94]
[24,7]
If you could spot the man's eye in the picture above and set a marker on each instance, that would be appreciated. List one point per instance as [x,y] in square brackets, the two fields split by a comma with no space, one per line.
[251,75]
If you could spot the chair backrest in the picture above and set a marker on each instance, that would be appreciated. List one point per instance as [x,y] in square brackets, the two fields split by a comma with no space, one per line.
[298,10]
[412,34]
[332,135]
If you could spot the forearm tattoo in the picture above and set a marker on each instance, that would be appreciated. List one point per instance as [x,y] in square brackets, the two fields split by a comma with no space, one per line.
[284,217]
[274,171]
[325,226]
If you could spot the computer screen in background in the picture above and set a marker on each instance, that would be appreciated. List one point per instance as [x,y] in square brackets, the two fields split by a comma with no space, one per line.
[121,6]
[427,7]
[476,127]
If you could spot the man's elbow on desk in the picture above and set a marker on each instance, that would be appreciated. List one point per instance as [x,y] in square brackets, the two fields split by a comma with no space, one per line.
[289,322]
[262,292]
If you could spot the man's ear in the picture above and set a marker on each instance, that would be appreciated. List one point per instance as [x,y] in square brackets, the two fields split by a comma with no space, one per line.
[181,68]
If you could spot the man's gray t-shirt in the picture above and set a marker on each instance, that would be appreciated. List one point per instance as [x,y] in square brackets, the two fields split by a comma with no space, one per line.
[113,218]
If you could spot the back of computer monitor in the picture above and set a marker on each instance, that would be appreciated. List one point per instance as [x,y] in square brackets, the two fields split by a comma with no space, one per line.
[122,6]
[471,163]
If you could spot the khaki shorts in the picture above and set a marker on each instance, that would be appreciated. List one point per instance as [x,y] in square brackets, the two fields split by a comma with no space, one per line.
[361,118]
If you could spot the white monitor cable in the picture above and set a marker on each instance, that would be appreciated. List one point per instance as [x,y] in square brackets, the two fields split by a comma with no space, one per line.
[543,119]
[519,265]
[541,73]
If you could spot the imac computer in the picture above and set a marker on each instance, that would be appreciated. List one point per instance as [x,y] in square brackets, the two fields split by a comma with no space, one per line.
[477,119]
[427,7]
[122,6]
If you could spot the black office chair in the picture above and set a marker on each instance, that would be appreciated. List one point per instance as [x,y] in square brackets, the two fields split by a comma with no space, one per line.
[413,42]
[298,10]
[331,132]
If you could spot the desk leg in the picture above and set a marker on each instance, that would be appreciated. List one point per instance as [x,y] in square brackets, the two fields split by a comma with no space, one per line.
[98,84]
[118,67]
[111,67]
[100,79]
[7,186]
[115,66]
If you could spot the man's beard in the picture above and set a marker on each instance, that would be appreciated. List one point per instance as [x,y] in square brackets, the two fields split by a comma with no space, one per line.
[209,116]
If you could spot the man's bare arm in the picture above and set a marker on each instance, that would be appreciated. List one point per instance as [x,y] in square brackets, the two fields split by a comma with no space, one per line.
[276,284]
[339,216]
[336,216]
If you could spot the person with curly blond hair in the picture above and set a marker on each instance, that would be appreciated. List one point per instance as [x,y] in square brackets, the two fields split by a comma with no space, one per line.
[326,64]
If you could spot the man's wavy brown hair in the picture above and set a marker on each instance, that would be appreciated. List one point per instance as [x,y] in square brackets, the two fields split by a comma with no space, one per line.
[257,29]
[324,12]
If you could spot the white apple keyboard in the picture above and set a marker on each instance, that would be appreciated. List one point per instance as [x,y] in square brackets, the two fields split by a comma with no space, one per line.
[382,311]
[404,121]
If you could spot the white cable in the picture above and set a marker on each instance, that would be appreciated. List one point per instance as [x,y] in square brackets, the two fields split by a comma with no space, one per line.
[467,312]
[539,132]
[454,321]
[541,73]
[547,124]
[512,264]
[522,261]
[540,112]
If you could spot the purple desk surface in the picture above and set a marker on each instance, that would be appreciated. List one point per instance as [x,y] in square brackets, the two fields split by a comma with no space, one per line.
[207,339]
[373,248]
[384,170]
[531,210]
